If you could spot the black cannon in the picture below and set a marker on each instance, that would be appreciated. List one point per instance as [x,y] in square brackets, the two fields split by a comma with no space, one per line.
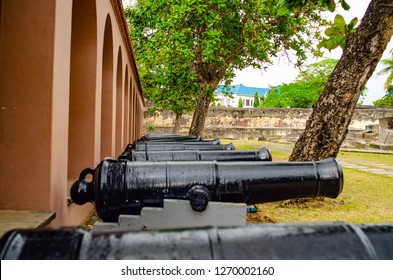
[175,145]
[169,137]
[303,241]
[165,141]
[125,187]
[262,154]
[178,146]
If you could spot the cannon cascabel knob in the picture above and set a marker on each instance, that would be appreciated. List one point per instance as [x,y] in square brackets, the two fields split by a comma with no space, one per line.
[82,191]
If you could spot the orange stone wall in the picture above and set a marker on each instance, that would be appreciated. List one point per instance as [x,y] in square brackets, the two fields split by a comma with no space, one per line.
[70,95]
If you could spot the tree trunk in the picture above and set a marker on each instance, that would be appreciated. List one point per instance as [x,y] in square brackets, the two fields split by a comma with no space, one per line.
[328,124]
[199,117]
[202,108]
[176,124]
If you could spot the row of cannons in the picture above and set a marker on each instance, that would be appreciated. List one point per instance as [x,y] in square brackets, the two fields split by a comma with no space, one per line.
[202,180]
[156,168]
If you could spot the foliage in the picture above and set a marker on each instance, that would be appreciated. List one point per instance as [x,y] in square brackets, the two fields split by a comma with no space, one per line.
[337,33]
[256,99]
[167,82]
[318,72]
[212,38]
[306,89]
[150,127]
[388,63]
[240,103]
[385,101]
[293,95]
[169,88]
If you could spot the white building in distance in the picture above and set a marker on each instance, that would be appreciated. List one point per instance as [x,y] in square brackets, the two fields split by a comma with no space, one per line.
[228,96]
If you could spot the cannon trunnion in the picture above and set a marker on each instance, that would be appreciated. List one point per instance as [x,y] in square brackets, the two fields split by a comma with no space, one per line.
[125,187]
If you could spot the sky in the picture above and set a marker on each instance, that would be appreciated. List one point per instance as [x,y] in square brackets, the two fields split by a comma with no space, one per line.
[282,72]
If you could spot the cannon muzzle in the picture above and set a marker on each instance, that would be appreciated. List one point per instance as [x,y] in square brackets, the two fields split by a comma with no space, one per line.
[125,187]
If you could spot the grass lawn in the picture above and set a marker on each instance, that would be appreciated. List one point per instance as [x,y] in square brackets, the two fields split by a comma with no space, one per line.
[366,197]
[367,157]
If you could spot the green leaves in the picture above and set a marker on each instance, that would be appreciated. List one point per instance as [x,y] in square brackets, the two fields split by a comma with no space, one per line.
[385,101]
[293,95]
[337,33]
[283,10]
[256,99]
[339,22]
[345,5]
[185,47]
[388,64]
[303,93]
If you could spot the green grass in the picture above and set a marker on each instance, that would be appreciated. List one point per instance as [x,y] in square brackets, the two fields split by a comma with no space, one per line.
[367,157]
[366,197]
[254,144]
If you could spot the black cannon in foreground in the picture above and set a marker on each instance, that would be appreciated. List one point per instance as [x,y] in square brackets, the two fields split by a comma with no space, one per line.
[125,187]
[307,241]
[262,154]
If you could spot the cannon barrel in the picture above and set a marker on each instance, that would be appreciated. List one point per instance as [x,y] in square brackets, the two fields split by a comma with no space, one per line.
[169,137]
[125,187]
[301,241]
[177,142]
[262,154]
[178,146]
[146,145]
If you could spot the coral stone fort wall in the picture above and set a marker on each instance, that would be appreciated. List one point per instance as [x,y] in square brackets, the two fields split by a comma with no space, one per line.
[277,124]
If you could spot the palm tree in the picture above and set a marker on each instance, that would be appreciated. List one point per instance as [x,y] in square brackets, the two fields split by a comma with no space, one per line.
[388,62]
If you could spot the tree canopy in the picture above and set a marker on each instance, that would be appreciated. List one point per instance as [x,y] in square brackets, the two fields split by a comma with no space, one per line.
[386,100]
[215,37]
[302,93]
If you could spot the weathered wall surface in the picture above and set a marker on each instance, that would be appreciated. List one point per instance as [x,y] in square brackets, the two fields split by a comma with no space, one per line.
[269,118]
[261,123]
[386,130]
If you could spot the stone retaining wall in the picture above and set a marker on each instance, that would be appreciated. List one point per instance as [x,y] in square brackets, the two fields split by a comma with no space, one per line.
[386,131]
[269,118]
[270,124]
